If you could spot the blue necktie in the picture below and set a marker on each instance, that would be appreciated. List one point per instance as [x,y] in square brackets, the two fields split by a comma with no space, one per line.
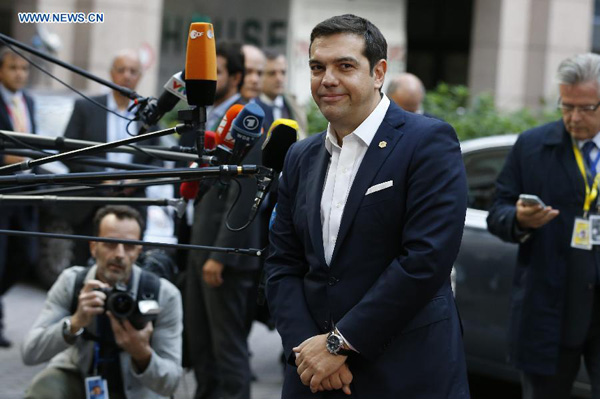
[587,151]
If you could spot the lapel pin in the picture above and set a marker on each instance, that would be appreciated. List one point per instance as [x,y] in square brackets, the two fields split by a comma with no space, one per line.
[382,144]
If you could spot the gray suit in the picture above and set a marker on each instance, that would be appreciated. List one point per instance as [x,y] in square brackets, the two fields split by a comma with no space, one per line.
[45,340]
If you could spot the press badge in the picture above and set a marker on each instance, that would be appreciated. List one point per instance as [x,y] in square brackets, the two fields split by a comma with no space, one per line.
[595,229]
[96,388]
[581,234]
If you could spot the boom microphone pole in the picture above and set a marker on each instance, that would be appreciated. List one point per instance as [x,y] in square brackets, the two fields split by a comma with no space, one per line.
[123,90]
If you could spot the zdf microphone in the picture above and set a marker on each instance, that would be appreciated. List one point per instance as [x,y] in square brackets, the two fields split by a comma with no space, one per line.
[246,130]
[201,65]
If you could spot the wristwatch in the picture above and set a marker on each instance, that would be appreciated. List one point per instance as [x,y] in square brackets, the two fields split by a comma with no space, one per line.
[66,330]
[335,344]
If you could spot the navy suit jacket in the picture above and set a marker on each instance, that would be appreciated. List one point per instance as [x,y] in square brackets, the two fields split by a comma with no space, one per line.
[88,122]
[387,286]
[6,124]
[543,316]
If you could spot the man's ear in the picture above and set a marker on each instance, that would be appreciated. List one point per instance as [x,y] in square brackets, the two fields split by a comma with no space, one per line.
[93,245]
[379,71]
[236,79]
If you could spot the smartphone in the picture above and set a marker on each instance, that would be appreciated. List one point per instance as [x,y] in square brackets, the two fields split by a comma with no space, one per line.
[531,200]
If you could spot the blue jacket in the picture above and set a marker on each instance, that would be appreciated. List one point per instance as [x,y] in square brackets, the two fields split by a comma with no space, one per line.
[387,287]
[542,163]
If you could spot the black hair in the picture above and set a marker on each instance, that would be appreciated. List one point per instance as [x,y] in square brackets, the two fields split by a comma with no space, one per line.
[121,212]
[232,52]
[375,44]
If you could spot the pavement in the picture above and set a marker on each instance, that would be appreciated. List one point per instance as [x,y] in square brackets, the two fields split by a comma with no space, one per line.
[23,303]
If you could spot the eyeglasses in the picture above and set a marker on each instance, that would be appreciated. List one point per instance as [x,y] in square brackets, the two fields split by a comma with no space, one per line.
[584,109]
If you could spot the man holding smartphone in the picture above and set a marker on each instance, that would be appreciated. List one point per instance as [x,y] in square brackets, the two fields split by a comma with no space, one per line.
[555,305]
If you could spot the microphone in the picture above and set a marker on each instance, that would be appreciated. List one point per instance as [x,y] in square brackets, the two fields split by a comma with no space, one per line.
[189,189]
[246,130]
[224,128]
[201,65]
[282,134]
[174,90]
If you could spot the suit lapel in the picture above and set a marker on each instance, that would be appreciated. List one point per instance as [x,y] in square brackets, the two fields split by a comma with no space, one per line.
[560,138]
[4,115]
[316,181]
[374,158]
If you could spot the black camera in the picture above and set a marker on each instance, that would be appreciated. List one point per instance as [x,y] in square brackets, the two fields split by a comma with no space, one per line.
[123,305]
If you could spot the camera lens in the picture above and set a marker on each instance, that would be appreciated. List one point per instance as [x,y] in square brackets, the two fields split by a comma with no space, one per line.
[121,304]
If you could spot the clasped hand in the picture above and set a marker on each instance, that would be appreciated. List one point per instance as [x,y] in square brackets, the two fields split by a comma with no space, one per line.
[319,369]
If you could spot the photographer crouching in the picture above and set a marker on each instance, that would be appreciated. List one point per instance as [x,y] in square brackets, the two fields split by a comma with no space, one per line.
[112,328]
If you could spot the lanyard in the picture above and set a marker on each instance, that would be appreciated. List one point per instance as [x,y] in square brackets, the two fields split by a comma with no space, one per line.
[590,192]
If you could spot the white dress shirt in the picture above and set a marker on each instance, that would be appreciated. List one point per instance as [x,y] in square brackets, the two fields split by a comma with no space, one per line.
[116,129]
[343,165]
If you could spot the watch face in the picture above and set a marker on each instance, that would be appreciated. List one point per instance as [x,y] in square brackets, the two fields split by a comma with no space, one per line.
[333,343]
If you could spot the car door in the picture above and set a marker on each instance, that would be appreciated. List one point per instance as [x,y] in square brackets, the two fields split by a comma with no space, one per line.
[484,269]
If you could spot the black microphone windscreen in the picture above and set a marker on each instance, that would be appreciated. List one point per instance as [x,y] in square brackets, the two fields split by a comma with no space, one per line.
[281,136]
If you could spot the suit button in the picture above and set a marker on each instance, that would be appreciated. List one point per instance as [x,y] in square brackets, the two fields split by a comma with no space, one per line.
[590,286]
[332,281]
[326,325]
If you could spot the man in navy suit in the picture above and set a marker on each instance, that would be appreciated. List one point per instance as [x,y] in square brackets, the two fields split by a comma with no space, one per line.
[555,302]
[16,114]
[368,224]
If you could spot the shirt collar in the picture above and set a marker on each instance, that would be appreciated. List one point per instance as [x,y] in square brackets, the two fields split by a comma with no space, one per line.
[596,141]
[112,104]
[8,95]
[224,106]
[366,130]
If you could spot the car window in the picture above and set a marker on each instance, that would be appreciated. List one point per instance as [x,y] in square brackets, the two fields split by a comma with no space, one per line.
[483,167]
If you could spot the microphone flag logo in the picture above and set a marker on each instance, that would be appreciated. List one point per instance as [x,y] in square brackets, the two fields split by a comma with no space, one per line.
[195,34]
[250,122]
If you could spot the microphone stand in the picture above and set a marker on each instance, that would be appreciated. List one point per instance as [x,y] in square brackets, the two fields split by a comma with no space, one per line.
[189,173]
[179,204]
[93,161]
[61,143]
[28,164]
[239,251]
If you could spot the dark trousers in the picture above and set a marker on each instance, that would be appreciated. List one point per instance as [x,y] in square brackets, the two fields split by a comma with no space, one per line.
[217,333]
[559,386]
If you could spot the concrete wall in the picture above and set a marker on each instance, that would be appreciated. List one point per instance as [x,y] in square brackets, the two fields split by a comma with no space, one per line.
[518,44]
[134,24]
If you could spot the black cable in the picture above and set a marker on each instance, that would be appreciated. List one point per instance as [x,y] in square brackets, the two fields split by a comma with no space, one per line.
[63,83]
[239,194]
[239,251]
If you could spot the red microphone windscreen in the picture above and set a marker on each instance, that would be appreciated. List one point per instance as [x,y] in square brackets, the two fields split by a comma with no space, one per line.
[223,134]
[210,140]
[201,65]
[188,190]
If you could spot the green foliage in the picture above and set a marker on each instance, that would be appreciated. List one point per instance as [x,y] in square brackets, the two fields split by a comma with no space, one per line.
[316,121]
[479,117]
